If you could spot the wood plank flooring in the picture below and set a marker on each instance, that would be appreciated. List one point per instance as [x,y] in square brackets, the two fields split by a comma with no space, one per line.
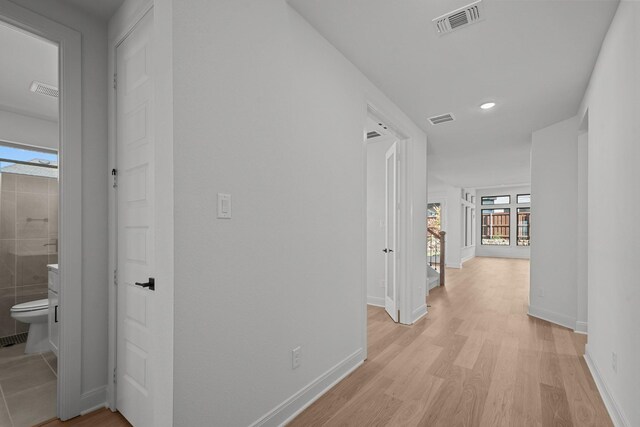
[100,418]
[477,359]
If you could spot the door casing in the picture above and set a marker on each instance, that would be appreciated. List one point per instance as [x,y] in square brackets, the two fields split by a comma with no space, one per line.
[71,400]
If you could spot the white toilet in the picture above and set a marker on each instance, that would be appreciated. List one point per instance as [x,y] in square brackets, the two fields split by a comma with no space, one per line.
[36,314]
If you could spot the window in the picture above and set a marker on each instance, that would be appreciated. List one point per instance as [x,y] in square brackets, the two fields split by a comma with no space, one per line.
[524,227]
[466,239]
[495,226]
[28,161]
[434,216]
[468,214]
[524,198]
[496,200]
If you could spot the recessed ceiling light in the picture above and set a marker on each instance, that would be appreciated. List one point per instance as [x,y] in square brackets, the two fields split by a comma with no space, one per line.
[488,105]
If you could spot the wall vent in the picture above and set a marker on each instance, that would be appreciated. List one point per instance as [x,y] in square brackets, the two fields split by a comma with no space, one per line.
[372,134]
[459,18]
[436,120]
[44,89]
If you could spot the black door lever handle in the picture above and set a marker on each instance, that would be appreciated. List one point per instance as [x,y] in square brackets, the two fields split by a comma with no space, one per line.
[151,284]
[385,250]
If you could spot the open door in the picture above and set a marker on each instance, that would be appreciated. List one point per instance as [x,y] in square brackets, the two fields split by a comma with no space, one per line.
[136,302]
[391,232]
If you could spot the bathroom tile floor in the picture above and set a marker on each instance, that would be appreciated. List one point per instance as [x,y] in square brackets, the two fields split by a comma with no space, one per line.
[28,387]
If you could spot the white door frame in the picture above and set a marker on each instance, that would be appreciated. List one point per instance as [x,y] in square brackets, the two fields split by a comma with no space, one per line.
[70,181]
[403,254]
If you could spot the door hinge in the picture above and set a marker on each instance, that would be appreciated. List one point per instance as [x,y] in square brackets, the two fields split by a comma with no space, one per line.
[115,277]
[114,173]
[115,375]
[115,80]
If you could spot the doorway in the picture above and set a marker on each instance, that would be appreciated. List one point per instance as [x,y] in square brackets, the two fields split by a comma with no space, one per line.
[382,217]
[29,241]
[67,132]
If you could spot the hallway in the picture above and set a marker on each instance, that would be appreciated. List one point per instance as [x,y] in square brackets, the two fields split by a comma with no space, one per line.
[477,359]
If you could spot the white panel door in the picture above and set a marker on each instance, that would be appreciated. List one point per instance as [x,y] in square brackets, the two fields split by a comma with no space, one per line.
[391,232]
[135,219]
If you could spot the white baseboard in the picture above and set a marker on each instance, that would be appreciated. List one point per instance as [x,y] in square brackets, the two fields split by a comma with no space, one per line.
[93,400]
[470,257]
[377,301]
[581,327]
[550,316]
[290,408]
[615,412]
[418,313]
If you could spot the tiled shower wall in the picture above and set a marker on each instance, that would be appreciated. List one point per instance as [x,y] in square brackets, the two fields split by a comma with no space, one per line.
[28,237]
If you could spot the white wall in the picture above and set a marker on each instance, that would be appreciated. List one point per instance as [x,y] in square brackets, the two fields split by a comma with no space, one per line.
[94,190]
[28,130]
[467,251]
[613,103]
[278,125]
[417,211]
[376,168]
[554,188]
[450,198]
[582,261]
[513,250]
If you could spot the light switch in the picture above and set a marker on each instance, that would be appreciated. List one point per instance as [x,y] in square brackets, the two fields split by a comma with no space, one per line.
[224,206]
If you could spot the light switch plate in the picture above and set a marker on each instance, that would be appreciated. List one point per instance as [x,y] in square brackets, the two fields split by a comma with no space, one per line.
[224,206]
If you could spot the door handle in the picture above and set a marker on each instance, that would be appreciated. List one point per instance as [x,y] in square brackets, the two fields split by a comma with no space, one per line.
[55,314]
[385,250]
[151,284]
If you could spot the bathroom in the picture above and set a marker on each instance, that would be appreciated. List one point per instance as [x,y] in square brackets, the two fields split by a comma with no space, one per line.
[28,228]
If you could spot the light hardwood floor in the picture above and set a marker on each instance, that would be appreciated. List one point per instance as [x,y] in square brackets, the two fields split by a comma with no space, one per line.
[477,359]
[100,418]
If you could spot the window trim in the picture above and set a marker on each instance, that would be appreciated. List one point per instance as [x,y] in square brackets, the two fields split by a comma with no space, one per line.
[482,227]
[528,227]
[523,203]
[495,204]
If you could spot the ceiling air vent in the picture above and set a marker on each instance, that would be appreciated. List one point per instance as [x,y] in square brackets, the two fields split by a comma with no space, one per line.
[436,120]
[44,89]
[460,18]
[372,134]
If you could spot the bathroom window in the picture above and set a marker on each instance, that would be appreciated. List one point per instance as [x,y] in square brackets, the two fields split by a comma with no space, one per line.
[22,160]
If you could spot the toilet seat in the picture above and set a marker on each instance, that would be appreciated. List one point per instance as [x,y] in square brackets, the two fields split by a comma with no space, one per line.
[36,305]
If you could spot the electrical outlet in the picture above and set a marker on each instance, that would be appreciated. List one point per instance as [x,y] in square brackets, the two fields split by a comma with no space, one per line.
[296,356]
[614,362]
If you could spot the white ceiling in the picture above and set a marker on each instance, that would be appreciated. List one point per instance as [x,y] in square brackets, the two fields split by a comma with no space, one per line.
[533,57]
[103,9]
[26,58]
